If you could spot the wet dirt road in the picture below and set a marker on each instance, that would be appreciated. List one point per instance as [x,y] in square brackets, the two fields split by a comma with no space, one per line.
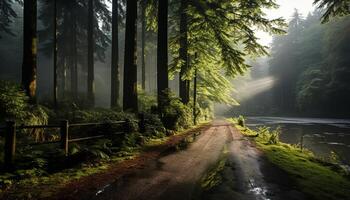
[247,175]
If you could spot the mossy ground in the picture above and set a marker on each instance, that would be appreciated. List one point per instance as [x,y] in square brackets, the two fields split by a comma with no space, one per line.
[214,177]
[319,179]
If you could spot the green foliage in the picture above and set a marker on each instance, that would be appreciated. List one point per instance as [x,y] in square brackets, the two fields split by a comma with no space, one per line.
[333,8]
[146,101]
[176,115]
[241,121]
[309,65]
[154,126]
[266,136]
[13,101]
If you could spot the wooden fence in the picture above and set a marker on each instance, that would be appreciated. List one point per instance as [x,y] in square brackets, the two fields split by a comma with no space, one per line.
[11,129]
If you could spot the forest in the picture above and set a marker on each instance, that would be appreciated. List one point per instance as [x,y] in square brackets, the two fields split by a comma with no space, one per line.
[309,66]
[94,89]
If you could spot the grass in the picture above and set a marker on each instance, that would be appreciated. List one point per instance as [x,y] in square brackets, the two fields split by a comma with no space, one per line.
[214,176]
[315,177]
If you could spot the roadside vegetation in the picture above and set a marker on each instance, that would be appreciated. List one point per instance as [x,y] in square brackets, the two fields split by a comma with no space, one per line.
[316,177]
[37,167]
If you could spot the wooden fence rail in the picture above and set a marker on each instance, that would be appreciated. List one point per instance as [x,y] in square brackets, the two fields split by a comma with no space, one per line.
[11,128]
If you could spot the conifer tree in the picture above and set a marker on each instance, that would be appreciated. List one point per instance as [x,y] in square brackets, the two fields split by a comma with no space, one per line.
[333,8]
[130,66]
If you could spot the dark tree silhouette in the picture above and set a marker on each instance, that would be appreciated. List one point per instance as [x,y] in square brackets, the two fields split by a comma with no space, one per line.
[115,56]
[162,53]
[91,44]
[184,84]
[29,66]
[130,65]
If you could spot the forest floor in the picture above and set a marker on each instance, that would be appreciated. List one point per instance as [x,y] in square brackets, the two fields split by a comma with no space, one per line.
[220,164]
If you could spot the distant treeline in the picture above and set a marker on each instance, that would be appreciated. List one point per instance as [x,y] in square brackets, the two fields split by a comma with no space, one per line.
[311,65]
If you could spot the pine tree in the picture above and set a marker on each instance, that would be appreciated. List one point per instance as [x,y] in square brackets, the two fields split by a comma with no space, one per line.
[162,54]
[222,34]
[29,66]
[90,55]
[6,15]
[72,38]
[130,66]
[333,8]
[183,54]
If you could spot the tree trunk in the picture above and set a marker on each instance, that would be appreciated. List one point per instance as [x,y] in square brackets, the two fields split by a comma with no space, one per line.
[90,30]
[29,66]
[74,60]
[55,88]
[195,99]
[130,65]
[184,84]
[115,83]
[143,45]
[162,54]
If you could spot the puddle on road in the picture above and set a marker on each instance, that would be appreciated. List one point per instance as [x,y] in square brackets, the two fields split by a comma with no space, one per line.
[260,193]
[102,190]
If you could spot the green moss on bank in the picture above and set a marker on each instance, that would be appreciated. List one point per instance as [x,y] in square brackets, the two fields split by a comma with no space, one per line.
[214,176]
[315,177]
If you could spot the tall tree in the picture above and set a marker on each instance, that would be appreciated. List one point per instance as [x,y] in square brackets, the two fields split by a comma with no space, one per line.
[184,82]
[333,8]
[72,37]
[54,22]
[91,44]
[143,43]
[162,53]
[74,59]
[29,66]
[115,55]
[130,65]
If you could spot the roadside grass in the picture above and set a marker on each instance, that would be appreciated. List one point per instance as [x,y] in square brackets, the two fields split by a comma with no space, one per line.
[315,177]
[214,176]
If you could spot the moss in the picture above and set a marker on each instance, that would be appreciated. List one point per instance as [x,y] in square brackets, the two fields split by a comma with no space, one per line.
[316,178]
[214,176]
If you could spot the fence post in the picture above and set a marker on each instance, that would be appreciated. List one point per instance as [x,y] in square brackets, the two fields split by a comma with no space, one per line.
[142,126]
[64,136]
[10,144]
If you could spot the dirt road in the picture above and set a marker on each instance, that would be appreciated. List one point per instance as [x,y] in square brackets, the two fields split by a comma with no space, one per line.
[247,175]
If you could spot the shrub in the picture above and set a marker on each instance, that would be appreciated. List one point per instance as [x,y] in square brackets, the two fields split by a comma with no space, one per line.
[153,126]
[241,121]
[146,101]
[176,115]
[13,101]
[269,137]
[36,115]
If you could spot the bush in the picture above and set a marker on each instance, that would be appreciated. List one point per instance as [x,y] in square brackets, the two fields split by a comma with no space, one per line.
[36,115]
[153,126]
[176,115]
[241,121]
[146,101]
[269,137]
[13,102]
